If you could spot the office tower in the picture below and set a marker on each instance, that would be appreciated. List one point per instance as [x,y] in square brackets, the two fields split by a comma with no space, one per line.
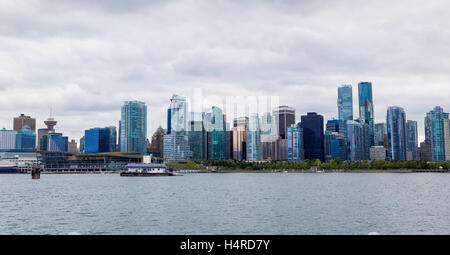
[366,112]
[8,139]
[97,140]
[396,131]
[434,132]
[26,139]
[337,126]
[133,136]
[197,135]
[339,146]
[268,126]
[50,123]
[274,148]
[412,140]
[72,147]
[345,102]
[254,139]
[295,143]
[82,139]
[377,153]
[176,144]
[380,134]
[239,143]
[313,136]
[169,121]
[22,121]
[284,117]
[54,142]
[112,138]
[358,141]
[446,126]
[157,143]
[241,121]
[216,135]
[425,151]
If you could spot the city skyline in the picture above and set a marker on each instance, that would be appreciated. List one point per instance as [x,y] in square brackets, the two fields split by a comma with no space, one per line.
[85,62]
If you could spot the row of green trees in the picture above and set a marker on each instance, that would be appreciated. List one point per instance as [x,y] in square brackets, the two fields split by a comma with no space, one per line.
[331,165]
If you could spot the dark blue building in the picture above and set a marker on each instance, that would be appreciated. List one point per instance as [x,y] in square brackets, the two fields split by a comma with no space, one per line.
[169,121]
[313,136]
[97,140]
[396,130]
[366,112]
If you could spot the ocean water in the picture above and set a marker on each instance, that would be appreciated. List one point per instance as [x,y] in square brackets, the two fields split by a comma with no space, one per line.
[236,203]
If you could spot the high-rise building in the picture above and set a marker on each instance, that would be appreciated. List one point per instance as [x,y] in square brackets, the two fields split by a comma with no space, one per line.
[434,132]
[197,136]
[380,134]
[54,142]
[425,151]
[133,136]
[239,143]
[335,126]
[345,102]
[284,117]
[313,136]
[50,123]
[274,148]
[176,144]
[169,121]
[112,138]
[82,139]
[26,139]
[22,121]
[254,147]
[97,140]
[268,126]
[358,145]
[412,140]
[72,147]
[216,135]
[339,146]
[157,144]
[8,139]
[366,112]
[446,126]
[295,143]
[396,131]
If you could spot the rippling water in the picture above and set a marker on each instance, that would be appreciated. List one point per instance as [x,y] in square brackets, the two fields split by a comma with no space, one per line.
[341,203]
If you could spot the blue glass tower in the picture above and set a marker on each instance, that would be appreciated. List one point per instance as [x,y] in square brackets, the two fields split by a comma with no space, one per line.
[412,142]
[434,132]
[358,147]
[133,130]
[254,146]
[396,132]
[97,140]
[295,143]
[366,112]
[313,136]
[26,139]
[345,102]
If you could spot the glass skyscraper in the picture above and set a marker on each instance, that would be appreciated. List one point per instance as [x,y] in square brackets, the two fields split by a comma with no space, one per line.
[412,140]
[97,140]
[284,117]
[358,147]
[345,102]
[295,143]
[366,112]
[380,134]
[133,130]
[396,132]
[434,132]
[254,146]
[313,136]
[197,136]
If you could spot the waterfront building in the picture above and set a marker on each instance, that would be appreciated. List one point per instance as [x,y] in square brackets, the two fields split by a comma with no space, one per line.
[97,140]
[396,130]
[446,126]
[313,136]
[345,103]
[274,148]
[254,139]
[380,134]
[284,117]
[112,138]
[8,139]
[50,123]
[55,142]
[366,112]
[197,136]
[377,153]
[295,143]
[26,139]
[157,143]
[72,147]
[358,141]
[23,160]
[434,132]
[425,151]
[412,140]
[22,121]
[133,136]
[239,143]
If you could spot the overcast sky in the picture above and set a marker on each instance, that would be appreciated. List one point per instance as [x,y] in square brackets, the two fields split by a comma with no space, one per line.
[84,58]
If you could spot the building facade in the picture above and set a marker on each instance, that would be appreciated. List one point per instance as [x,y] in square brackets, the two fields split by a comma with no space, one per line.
[358,141]
[284,117]
[133,136]
[313,136]
[396,132]
[97,140]
[22,121]
[412,140]
[254,146]
[366,111]
[295,143]
[345,102]
[434,132]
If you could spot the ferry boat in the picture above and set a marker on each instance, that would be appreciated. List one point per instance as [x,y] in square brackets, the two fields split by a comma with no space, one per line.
[8,168]
[146,169]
